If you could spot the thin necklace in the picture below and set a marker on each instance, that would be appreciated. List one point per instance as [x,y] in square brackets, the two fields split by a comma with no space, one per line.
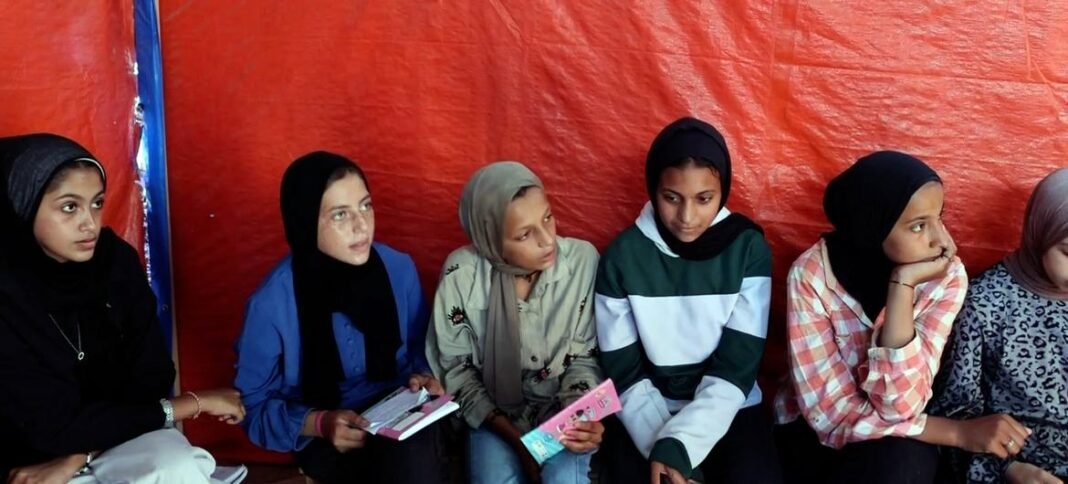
[77,349]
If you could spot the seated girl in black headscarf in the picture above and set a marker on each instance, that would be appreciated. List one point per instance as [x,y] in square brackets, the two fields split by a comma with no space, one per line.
[335,325]
[682,313]
[870,307]
[84,371]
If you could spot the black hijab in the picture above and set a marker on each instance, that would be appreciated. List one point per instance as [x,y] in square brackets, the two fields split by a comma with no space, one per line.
[28,163]
[324,285]
[863,203]
[692,138]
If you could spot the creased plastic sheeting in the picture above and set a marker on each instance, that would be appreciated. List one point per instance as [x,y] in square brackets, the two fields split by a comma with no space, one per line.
[423,93]
[67,68]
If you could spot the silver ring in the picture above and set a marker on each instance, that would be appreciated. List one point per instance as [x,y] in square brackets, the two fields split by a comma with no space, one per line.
[1010,444]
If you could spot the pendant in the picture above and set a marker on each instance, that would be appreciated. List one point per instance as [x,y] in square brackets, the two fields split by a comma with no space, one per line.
[81,355]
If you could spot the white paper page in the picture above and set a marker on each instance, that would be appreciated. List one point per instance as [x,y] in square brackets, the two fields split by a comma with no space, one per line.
[416,424]
[395,405]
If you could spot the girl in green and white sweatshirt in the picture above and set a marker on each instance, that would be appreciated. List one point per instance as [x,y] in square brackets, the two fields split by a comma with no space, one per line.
[682,301]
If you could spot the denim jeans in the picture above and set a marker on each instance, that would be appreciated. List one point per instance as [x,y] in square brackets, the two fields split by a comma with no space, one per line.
[492,461]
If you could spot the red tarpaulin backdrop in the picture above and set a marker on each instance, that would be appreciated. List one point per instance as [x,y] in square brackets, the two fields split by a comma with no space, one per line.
[67,68]
[422,93]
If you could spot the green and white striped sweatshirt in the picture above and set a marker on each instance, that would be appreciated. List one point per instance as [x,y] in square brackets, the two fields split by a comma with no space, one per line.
[682,339]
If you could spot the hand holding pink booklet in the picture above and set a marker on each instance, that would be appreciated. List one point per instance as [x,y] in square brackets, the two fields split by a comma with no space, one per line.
[544,441]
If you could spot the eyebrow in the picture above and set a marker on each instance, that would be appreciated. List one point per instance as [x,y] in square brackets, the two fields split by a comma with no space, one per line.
[345,205]
[77,197]
[527,226]
[710,191]
[918,219]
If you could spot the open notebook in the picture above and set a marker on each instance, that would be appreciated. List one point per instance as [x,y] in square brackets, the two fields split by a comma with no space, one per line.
[405,412]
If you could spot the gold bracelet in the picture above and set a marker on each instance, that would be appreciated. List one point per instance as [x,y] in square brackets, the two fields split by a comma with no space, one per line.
[910,286]
[195,397]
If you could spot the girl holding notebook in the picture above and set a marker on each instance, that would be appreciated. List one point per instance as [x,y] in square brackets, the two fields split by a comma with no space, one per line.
[512,335]
[338,324]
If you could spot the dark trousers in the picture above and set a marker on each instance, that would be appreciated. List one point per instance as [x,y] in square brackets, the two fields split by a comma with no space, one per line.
[890,460]
[417,460]
[745,455]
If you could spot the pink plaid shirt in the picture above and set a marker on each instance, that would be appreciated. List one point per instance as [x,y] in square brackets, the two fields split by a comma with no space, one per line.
[848,388]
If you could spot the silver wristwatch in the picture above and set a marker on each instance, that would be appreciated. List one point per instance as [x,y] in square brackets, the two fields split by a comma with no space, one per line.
[168,413]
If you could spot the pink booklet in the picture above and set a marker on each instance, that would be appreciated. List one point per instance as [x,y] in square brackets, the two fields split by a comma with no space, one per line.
[544,441]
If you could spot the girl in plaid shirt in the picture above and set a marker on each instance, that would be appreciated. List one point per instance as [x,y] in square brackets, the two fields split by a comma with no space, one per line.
[870,307]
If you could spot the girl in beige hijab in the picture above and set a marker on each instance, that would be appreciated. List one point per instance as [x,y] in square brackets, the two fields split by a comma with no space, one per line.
[511,334]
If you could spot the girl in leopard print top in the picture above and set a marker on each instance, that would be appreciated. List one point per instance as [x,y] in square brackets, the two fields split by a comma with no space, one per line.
[1009,351]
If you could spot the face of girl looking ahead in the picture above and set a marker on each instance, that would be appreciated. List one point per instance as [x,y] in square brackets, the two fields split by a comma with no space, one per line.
[347,220]
[67,224]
